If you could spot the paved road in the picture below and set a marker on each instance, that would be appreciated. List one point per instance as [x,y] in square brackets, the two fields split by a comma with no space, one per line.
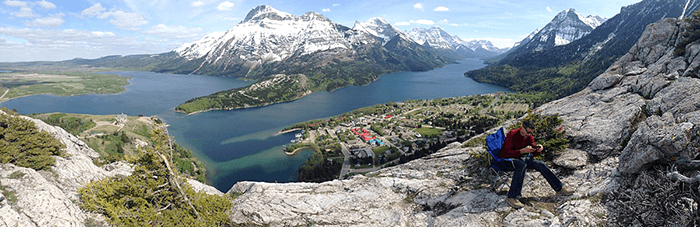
[3,95]
[346,161]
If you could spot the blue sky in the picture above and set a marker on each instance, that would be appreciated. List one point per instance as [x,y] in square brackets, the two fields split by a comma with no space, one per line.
[52,30]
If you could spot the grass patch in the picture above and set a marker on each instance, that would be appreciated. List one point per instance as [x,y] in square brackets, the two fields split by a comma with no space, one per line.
[62,84]
[9,195]
[16,175]
[380,150]
[479,141]
[428,132]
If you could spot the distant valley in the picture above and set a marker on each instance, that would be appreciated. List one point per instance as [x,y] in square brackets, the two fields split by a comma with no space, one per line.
[538,65]
[270,42]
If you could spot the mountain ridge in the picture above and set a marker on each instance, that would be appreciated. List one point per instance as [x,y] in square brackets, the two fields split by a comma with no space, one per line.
[569,68]
[567,26]
[454,46]
[617,126]
[633,157]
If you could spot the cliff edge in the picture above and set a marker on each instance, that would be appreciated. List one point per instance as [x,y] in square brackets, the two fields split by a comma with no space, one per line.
[633,155]
[643,112]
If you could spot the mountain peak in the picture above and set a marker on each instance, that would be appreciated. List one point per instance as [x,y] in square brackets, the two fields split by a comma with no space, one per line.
[438,38]
[266,11]
[573,15]
[566,27]
[378,27]
[378,20]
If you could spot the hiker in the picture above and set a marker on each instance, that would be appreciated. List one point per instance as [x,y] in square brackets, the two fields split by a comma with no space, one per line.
[520,146]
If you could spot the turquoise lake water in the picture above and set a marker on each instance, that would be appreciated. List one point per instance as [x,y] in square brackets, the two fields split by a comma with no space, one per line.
[242,145]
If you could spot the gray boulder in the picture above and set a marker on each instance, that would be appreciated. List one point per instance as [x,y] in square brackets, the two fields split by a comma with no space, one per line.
[572,159]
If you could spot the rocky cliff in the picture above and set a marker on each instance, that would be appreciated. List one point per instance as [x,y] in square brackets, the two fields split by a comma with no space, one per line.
[636,123]
[50,198]
[643,112]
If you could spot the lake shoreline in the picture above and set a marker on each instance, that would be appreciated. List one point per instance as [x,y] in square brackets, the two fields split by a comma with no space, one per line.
[157,94]
[292,153]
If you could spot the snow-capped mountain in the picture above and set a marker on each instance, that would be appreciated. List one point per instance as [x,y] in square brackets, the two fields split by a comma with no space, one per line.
[379,28]
[527,39]
[269,41]
[438,38]
[269,35]
[565,28]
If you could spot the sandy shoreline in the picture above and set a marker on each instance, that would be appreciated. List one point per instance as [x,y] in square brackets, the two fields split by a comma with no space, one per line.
[287,131]
[298,149]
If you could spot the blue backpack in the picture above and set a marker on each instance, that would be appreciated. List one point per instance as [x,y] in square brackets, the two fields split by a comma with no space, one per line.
[494,142]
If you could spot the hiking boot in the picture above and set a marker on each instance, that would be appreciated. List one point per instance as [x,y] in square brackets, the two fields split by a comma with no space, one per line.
[515,203]
[566,191]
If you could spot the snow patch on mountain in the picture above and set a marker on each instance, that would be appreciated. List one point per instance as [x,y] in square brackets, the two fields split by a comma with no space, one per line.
[438,38]
[269,35]
[379,28]
[564,28]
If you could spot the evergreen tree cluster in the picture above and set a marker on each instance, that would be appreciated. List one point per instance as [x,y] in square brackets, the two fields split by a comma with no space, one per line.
[548,132]
[72,125]
[319,169]
[22,144]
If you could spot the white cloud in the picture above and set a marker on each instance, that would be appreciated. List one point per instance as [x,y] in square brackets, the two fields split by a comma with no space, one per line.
[336,5]
[198,3]
[121,19]
[549,9]
[176,32]
[24,10]
[56,45]
[403,23]
[225,6]
[423,22]
[418,6]
[447,22]
[125,20]
[46,5]
[103,34]
[326,10]
[441,9]
[12,3]
[53,21]
[94,10]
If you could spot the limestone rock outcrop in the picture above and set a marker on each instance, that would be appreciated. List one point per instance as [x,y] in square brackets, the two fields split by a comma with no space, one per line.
[444,189]
[643,107]
[643,110]
[50,198]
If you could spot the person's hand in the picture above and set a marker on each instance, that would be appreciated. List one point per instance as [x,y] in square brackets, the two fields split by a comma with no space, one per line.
[527,149]
[540,147]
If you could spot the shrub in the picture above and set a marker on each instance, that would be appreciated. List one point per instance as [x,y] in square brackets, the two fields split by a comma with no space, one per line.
[154,195]
[549,133]
[691,33]
[22,144]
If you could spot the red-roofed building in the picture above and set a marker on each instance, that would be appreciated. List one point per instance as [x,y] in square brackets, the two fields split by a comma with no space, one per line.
[364,135]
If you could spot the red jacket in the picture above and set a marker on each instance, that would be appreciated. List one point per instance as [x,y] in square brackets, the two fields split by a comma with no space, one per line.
[514,142]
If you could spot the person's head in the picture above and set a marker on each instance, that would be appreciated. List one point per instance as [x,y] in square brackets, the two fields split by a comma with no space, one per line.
[528,127]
